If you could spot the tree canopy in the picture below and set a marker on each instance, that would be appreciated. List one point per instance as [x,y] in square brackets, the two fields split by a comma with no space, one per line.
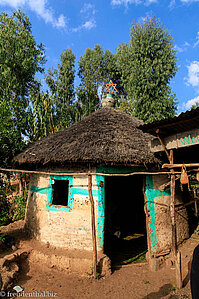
[147,64]
[20,59]
[142,70]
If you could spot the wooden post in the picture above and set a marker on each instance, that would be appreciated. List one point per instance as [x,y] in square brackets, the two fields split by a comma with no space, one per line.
[196,203]
[93,225]
[172,208]
[176,254]
[20,187]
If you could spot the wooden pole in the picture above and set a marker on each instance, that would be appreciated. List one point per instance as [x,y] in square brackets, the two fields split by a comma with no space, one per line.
[196,203]
[172,208]
[87,173]
[163,145]
[176,254]
[171,165]
[93,225]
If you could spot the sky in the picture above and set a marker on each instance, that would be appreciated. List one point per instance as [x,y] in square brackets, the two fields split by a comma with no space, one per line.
[78,24]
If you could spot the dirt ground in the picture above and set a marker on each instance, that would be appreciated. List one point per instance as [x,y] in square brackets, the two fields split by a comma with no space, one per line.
[128,281]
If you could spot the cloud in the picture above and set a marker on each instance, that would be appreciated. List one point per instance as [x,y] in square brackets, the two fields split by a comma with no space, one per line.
[88,15]
[189,1]
[193,74]
[126,2]
[197,40]
[87,25]
[172,4]
[190,103]
[182,48]
[41,8]
[88,9]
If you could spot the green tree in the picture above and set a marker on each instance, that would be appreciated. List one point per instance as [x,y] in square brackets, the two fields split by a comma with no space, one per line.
[194,106]
[61,85]
[42,113]
[20,59]
[91,75]
[147,64]
[96,69]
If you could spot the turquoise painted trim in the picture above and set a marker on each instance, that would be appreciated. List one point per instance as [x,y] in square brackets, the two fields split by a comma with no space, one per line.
[38,189]
[83,191]
[101,209]
[49,205]
[101,195]
[151,194]
[72,191]
[118,169]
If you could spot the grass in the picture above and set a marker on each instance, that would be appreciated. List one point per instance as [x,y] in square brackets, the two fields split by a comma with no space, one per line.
[139,258]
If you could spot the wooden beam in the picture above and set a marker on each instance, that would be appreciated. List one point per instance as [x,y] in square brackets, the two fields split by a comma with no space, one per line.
[86,173]
[180,165]
[184,139]
[176,253]
[163,145]
[93,226]
[172,207]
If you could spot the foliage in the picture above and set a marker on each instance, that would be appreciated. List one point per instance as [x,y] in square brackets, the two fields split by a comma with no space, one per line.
[96,68]
[12,206]
[19,207]
[194,106]
[61,84]
[148,63]
[42,113]
[10,137]
[20,59]
[4,204]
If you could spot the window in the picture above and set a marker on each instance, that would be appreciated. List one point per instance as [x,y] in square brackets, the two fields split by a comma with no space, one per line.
[60,192]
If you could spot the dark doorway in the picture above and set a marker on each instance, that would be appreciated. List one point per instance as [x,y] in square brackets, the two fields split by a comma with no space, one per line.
[125,220]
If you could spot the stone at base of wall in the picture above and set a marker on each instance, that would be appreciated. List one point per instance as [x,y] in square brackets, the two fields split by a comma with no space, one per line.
[71,262]
[156,263]
[104,265]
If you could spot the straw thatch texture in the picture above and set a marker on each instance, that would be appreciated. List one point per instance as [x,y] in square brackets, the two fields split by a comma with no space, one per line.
[106,136]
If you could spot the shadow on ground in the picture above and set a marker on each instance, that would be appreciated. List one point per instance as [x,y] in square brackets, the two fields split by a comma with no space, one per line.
[163,291]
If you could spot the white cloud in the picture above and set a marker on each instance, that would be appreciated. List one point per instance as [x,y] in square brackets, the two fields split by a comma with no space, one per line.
[88,8]
[126,2]
[193,74]
[189,1]
[172,4]
[197,40]
[182,48]
[13,3]
[87,25]
[88,15]
[41,8]
[190,103]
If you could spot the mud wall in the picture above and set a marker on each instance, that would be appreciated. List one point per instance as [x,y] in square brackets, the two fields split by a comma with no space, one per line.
[158,215]
[60,226]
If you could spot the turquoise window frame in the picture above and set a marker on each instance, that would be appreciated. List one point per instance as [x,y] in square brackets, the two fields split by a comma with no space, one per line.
[49,205]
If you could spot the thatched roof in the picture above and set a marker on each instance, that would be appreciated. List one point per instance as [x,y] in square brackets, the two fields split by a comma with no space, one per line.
[107,136]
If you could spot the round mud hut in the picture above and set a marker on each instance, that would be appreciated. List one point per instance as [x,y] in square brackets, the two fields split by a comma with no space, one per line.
[131,213]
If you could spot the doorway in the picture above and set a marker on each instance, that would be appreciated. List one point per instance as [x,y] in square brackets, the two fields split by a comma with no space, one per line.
[125,221]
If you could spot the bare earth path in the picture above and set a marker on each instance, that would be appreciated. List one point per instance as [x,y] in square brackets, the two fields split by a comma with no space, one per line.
[130,281]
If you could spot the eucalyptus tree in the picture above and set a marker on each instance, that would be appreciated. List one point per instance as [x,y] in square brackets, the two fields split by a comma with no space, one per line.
[91,75]
[20,59]
[96,69]
[61,86]
[147,64]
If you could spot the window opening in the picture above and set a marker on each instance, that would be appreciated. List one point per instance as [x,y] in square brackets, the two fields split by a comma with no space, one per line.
[60,192]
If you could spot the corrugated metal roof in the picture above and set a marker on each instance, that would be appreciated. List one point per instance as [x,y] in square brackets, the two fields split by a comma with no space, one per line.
[185,121]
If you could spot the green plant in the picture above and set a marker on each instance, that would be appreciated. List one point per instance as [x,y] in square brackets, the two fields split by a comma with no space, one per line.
[20,205]
[2,237]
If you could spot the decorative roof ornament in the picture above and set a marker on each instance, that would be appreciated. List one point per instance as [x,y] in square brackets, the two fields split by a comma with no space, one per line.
[109,85]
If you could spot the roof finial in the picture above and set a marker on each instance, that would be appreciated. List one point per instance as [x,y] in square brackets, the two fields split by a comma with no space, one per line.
[109,101]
